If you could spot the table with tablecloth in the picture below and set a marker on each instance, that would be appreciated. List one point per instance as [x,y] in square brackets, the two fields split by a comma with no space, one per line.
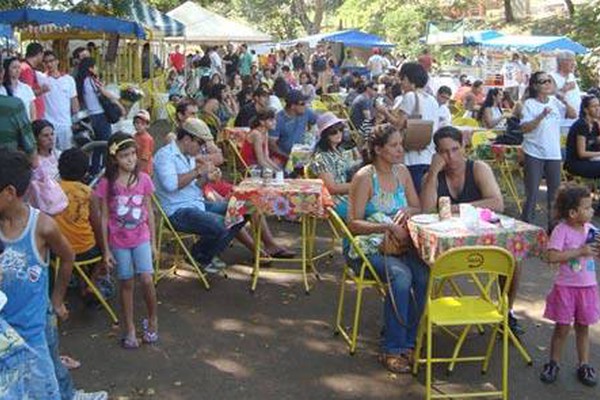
[305,200]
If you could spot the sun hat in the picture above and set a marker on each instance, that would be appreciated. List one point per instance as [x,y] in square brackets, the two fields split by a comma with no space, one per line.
[143,115]
[198,128]
[327,120]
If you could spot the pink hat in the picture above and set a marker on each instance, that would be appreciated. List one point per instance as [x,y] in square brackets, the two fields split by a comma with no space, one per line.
[327,120]
[144,115]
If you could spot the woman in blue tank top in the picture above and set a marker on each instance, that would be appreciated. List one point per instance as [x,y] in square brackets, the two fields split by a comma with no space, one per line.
[385,186]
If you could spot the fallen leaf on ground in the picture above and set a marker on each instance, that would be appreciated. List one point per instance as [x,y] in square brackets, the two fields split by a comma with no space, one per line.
[177,383]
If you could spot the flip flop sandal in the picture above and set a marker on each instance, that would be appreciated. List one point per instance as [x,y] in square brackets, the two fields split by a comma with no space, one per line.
[69,363]
[396,363]
[129,343]
[283,253]
[148,337]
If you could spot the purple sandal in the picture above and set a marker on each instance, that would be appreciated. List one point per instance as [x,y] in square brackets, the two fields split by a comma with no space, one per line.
[148,336]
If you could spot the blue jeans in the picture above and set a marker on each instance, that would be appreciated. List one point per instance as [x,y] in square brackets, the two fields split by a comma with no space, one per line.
[102,131]
[417,172]
[405,273]
[65,382]
[210,226]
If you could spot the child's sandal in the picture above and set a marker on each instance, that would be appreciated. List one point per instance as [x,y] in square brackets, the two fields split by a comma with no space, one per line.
[130,343]
[148,336]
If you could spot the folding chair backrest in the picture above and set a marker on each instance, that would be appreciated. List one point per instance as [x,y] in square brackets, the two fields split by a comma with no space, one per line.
[465,121]
[473,261]
[481,137]
[345,233]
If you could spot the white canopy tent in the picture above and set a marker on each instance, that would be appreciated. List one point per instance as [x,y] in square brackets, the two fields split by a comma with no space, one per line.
[205,26]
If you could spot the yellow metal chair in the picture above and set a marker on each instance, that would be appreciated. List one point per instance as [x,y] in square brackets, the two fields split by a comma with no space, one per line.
[489,306]
[366,278]
[164,227]
[465,121]
[239,167]
[79,268]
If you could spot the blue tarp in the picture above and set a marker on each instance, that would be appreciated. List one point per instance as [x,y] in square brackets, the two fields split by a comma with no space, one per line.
[351,37]
[150,17]
[31,16]
[535,43]
[6,31]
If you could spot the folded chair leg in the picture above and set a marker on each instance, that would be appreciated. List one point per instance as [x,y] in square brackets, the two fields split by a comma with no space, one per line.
[458,346]
[97,293]
[340,310]
[490,348]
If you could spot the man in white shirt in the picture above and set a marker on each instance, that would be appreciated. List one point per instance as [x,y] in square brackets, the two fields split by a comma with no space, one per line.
[216,64]
[512,72]
[444,94]
[61,101]
[564,79]
[377,64]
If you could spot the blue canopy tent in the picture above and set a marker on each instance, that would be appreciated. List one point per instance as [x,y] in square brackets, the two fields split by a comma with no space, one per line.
[476,37]
[91,23]
[351,38]
[535,43]
[154,20]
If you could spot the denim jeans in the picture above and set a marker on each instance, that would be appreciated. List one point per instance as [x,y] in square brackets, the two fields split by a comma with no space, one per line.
[65,382]
[40,381]
[210,226]
[407,272]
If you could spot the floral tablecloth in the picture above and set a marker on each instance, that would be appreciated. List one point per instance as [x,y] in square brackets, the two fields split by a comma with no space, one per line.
[299,157]
[523,240]
[292,199]
[499,152]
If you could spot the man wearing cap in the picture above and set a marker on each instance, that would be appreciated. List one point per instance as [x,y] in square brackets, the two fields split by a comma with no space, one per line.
[15,127]
[144,141]
[180,169]
[61,101]
[292,123]
[260,102]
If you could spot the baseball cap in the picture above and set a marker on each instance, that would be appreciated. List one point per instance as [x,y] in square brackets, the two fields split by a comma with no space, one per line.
[327,120]
[143,115]
[198,128]
[295,96]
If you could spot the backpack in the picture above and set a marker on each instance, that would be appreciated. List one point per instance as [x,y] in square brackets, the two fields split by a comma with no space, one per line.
[319,64]
[298,62]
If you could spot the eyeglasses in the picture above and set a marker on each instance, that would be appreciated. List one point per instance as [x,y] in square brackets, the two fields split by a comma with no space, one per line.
[544,81]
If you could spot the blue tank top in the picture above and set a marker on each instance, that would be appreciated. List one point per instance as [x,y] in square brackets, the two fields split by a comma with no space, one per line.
[386,202]
[25,282]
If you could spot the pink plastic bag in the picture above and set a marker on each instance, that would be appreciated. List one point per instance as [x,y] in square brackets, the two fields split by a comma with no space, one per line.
[46,194]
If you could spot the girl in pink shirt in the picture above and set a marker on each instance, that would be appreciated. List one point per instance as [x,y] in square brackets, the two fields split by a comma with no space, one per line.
[574,296]
[128,232]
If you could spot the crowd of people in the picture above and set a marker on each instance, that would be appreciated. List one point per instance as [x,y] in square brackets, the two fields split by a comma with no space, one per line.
[379,173]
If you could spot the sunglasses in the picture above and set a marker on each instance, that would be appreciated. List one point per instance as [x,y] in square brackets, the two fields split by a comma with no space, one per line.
[544,81]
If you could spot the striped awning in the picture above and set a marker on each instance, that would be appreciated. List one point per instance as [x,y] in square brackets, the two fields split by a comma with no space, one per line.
[154,20]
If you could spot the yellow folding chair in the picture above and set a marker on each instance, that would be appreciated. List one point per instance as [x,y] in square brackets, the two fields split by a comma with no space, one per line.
[164,227]
[488,306]
[366,278]
[239,167]
[79,268]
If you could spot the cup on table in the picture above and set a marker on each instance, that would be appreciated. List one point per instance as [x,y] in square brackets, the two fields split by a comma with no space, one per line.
[254,173]
[279,177]
[469,215]
[267,176]
[507,222]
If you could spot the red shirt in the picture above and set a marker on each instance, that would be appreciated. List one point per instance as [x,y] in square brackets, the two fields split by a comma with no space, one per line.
[145,149]
[177,61]
[28,77]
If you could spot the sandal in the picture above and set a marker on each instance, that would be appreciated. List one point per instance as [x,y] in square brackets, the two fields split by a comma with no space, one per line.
[283,253]
[550,372]
[130,343]
[396,363]
[148,337]
[69,362]
[587,375]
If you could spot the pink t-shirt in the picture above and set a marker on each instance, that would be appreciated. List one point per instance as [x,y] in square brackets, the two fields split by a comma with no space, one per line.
[578,272]
[128,216]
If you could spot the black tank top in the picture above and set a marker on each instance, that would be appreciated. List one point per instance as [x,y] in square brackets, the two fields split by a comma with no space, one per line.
[470,192]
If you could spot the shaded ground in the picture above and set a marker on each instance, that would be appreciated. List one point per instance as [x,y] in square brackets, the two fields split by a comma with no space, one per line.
[278,343]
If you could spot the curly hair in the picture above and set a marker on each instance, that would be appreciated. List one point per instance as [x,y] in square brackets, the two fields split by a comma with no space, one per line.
[569,198]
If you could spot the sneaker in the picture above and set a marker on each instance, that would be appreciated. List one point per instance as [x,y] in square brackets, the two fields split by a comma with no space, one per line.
[587,375]
[550,372]
[215,268]
[514,326]
[81,395]
[218,263]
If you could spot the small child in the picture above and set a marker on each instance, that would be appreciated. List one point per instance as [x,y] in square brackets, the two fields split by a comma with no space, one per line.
[145,142]
[128,232]
[80,221]
[575,292]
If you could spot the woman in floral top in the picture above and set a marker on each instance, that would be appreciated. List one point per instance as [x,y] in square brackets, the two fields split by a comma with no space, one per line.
[329,163]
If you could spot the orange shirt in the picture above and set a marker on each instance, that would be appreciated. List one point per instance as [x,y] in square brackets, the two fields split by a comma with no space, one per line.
[74,221]
[145,149]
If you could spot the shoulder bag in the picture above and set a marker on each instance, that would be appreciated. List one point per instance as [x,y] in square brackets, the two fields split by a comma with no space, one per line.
[418,132]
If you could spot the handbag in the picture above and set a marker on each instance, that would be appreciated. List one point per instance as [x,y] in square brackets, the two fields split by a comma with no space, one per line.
[391,246]
[112,111]
[418,132]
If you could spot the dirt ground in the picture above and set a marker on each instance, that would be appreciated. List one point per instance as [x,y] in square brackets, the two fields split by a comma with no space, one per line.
[278,343]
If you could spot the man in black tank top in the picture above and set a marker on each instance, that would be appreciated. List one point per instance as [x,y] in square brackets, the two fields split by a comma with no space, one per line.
[454,176]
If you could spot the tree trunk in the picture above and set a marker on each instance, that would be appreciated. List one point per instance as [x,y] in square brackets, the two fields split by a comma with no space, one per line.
[299,8]
[570,7]
[508,11]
